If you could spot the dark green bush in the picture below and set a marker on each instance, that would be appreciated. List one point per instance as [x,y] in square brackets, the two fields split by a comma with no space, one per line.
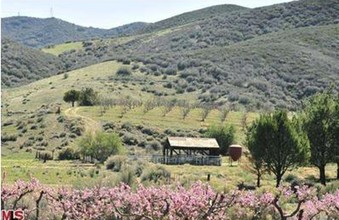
[135,66]
[8,137]
[69,154]
[123,71]
[155,145]
[44,155]
[126,62]
[155,174]
[127,125]
[115,163]
[224,135]
[88,97]
[100,145]
[171,71]
[130,139]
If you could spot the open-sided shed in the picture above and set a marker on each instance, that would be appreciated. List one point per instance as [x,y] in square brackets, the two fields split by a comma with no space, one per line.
[199,151]
[191,146]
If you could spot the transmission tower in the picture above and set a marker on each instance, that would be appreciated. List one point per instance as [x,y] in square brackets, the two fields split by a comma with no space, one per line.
[51,13]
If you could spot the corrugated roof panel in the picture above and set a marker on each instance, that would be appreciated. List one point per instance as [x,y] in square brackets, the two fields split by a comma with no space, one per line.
[193,142]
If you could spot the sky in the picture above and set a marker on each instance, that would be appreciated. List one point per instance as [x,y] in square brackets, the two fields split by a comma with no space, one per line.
[113,13]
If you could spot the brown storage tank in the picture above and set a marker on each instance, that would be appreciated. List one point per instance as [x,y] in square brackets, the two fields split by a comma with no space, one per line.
[235,152]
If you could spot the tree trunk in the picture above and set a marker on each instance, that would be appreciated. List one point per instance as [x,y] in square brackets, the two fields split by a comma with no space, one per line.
[258,178]
[337,170]
[73,104]
[322,175]
[278,180]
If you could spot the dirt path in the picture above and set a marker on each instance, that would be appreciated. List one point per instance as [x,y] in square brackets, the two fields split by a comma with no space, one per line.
[90,124]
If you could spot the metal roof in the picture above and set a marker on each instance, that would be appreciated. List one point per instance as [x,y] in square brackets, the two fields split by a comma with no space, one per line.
[187,142]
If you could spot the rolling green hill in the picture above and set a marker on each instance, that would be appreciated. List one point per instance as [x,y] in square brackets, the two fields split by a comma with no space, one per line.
[30,122]
[38,32]
[265,57]
[277,69]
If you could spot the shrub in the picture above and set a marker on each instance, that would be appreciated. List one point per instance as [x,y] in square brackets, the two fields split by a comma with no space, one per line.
[127,176]
[155,145]
[34,127]
[127,125]
[135,66]
[331,187]
[27,143]
[100,145]
[224,135]
[8,137]
[171,71]
[290,178]
[149,131]
[123,71]
[156,174]
[44,155]
[191,89]
[126,62]
[108,125]
[244,100]
[7,123]
[69,154]
[130,139]
[115,163]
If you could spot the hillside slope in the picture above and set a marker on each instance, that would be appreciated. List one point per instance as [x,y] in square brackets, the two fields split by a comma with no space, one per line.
[276,69]
[219,30]
[38,32]
[258,58]
[228,28]
[192,16]
[21,65]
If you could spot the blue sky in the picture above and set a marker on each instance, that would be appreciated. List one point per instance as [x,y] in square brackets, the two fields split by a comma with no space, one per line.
[112,13]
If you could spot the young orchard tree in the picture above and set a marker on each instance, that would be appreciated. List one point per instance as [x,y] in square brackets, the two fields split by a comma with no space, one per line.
[205,110]
[321,125]
[185,109]
[71,96]
[223,114]
[273,140]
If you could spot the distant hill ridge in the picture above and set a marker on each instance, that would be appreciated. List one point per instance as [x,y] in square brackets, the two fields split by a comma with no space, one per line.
[266,57]
[192,16]
[40,32]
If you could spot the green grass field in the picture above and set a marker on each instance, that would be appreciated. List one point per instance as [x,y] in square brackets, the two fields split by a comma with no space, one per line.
[61,48]
[172,120]
[68,173]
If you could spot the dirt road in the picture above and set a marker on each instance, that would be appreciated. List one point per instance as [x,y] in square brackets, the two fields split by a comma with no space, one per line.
[90,124]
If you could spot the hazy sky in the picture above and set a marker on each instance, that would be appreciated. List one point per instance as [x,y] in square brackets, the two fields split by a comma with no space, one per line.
[112,13]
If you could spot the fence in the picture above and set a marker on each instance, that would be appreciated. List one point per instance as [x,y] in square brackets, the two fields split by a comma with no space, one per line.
[182,159]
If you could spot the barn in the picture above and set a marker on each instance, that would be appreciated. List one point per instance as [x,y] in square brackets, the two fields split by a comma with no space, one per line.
[196,151]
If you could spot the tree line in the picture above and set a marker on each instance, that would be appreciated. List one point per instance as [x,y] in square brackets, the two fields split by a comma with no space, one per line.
[278,143]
